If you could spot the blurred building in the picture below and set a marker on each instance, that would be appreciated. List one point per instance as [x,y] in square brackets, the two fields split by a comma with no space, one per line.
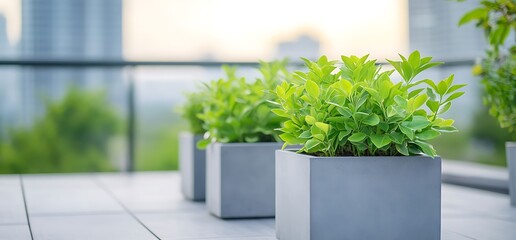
[76,30]
[9,86]
[303,46]
[434,31]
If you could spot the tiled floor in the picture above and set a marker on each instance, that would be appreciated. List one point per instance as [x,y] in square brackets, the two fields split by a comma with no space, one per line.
[150,206]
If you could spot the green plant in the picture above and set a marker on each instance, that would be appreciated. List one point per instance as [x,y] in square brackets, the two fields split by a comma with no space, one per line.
[72,136]
[235,110]
[191,109]
[358,110]
[498,68]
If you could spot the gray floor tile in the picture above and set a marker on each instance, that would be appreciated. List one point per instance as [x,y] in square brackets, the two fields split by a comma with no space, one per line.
[12,208]
[9,180]
[66,194]
[240,238]
[87,227]
[448,235]
[150,191]
[477,202]
[481,228]
[14,232]
[199,224]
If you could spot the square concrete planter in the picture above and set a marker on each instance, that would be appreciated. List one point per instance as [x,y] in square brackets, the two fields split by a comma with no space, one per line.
[240,179]
[374,198]
[192,164]
[510,151]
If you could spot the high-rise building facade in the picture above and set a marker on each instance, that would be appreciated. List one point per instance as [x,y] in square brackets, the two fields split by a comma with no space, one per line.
[69,29]
[9,86]
[434,30]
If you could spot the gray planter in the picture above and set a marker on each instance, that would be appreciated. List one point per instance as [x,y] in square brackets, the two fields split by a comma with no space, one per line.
[192,164]
[510,151]
[387,198]
[240,179]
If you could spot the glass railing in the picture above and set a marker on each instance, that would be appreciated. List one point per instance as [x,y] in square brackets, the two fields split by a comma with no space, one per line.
[88,115]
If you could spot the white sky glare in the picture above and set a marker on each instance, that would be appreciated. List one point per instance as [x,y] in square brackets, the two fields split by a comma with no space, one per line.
[250,30]
[246,30]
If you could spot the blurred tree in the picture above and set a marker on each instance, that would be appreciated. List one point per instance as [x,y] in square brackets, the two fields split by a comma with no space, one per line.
[72,136]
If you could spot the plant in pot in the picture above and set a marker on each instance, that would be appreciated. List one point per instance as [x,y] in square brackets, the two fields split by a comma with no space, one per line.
[498,70]
[366,169]
[241,140]
[192,160]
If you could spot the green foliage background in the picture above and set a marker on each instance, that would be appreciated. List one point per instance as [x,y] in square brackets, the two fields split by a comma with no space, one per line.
[498,68]
[72,136]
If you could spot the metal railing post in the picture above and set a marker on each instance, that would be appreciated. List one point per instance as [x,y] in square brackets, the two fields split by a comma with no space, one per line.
[131,121]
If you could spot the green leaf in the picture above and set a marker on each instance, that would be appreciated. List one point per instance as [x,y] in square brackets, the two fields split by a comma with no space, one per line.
[407,131]
[417,123]
[311,144]
[407,71]
[337,119]
[401,101]
[454,96]
[431,94]
[449,129]
[312,88]
[290,139]
[323,126]
[357,137]
[477,13]
[203,143]
[415,92]
[383,126]
[419,101]
[397,137]
[427,66]
[402,148]
[319,137]
[431,84]
[456,87]
[380,140]
[371,120]
[310,120]
[445,108]
[305,134]
[359,116]
[428,134]
[442,87]
[281,113]
[414,59]
[343,134]
[432,105]
[345,112]
[426,148]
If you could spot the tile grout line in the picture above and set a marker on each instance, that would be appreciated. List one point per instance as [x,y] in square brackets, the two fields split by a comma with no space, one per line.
[460,234]
[103,187]
[25,205]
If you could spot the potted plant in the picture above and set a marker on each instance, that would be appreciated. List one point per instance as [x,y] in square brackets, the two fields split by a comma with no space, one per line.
[241,140]
[192,160]
[366,169]
[498,70]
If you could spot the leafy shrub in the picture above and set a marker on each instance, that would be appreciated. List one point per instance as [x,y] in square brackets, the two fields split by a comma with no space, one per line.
[190,111]
[238,111]
[498,68]
[72,136]
[358,110]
